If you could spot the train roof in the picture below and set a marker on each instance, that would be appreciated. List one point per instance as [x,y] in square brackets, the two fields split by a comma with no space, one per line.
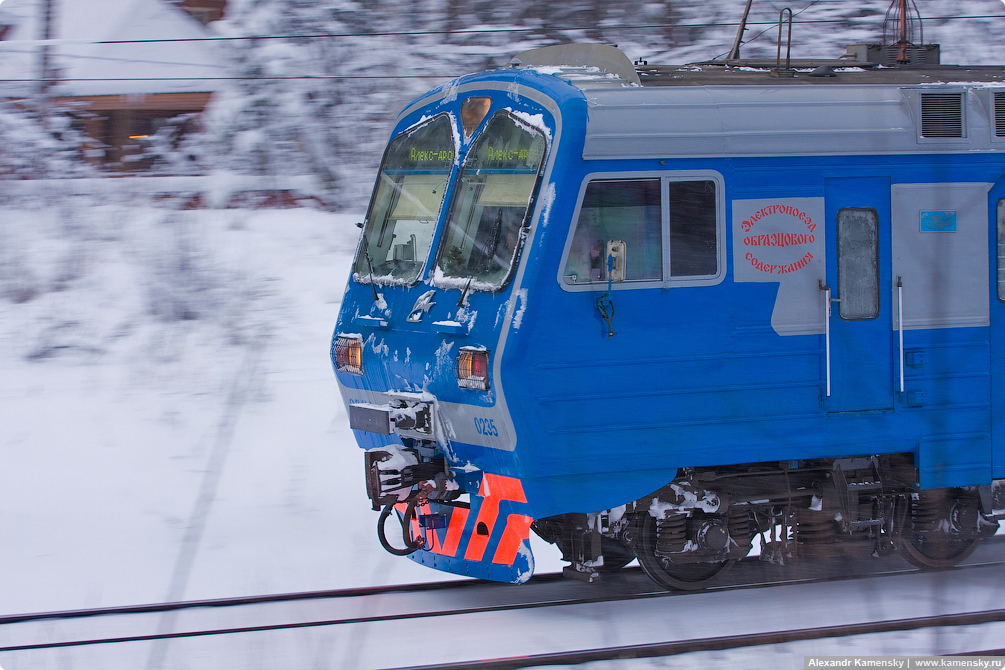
[828,73]
[851,105]
[591,66]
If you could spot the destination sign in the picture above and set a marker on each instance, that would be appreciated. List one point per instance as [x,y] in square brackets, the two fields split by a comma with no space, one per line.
[506,155]
[422,155]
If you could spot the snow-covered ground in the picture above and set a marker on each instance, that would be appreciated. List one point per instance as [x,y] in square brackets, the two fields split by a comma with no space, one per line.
[502,621]
[170,427]
[169,424]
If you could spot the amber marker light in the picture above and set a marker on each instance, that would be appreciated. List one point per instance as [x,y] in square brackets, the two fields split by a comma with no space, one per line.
[473,368]
[473,110]
[349,354]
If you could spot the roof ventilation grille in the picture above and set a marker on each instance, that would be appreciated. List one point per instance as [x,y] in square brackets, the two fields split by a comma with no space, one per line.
[1000,114]
[942,115]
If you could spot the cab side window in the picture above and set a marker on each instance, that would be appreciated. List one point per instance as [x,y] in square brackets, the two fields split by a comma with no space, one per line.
[693,249]
[667,229]
[626,210]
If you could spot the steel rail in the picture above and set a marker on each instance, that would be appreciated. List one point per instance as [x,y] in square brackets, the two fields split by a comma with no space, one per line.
[251,600]
[371,591]
[725,642]
[357,592]
[333,622]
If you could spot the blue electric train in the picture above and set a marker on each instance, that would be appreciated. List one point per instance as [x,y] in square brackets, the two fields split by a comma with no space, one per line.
[655,311]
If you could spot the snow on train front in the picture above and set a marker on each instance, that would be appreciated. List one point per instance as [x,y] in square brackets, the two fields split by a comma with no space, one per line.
[419,347]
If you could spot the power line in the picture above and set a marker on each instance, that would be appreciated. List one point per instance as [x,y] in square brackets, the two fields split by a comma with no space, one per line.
[407,33]
[290,77]
[480,31]
[73,56]
[769,25]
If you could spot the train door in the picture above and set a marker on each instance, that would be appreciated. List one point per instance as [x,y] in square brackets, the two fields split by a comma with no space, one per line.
[858,274]
[996,216]
[941,275]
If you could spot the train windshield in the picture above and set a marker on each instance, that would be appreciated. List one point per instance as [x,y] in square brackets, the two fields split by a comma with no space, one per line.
[406,204]
[495,189]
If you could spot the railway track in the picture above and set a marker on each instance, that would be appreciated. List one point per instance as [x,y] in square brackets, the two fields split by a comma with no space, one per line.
[728,642]
[505,623]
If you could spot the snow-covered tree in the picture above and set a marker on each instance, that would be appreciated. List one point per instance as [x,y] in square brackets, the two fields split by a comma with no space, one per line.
[304,104]
[38,142]
[318,89]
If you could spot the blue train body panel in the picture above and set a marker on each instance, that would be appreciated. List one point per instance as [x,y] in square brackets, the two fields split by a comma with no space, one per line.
[729,353]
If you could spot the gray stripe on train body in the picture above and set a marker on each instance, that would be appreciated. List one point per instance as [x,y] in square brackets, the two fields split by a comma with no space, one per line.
[933,297]
[765,121]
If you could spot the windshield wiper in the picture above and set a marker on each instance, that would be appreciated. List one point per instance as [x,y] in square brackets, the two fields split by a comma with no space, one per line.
[464,293]
[369,264]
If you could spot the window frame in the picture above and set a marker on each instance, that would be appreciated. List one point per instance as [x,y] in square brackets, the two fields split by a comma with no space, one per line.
[366,280]
[999,244]
[877,284]
[666,177]
[446,210]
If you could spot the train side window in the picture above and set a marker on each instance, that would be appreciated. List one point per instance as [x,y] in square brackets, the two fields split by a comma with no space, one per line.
[1001,249]
[693,247]
[858,263]
[621,209]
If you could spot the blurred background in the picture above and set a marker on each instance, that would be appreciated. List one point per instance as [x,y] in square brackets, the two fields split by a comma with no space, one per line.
[179,181]
[307,88]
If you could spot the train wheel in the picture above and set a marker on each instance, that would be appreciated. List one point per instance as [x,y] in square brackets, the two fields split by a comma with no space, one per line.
[663,571]
[938,529]
[939,553]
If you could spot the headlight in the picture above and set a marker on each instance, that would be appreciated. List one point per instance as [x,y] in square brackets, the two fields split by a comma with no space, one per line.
[473,368]
[349,353]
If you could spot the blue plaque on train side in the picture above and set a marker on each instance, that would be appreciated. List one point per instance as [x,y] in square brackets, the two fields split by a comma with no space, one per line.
[938,222]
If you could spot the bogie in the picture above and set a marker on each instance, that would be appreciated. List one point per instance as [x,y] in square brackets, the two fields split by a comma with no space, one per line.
[688,533]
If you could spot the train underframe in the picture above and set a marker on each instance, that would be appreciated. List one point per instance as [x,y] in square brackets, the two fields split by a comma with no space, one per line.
[692,530]
[689,532]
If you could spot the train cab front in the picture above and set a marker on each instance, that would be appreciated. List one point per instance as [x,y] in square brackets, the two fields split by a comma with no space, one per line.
[418,347]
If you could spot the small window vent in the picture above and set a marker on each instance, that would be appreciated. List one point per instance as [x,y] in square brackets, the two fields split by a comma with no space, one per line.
[1000,114]
[942,115]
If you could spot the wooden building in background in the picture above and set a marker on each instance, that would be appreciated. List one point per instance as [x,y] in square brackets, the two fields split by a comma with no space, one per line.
[203,11]
[121,84]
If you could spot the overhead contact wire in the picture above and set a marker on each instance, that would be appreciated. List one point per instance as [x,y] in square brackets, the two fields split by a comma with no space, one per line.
[475,31]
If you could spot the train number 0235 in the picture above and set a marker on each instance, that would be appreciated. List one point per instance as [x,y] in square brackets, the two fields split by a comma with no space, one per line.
[486,427]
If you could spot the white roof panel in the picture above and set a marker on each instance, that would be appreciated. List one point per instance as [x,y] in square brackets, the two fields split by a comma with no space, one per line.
[88,68]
